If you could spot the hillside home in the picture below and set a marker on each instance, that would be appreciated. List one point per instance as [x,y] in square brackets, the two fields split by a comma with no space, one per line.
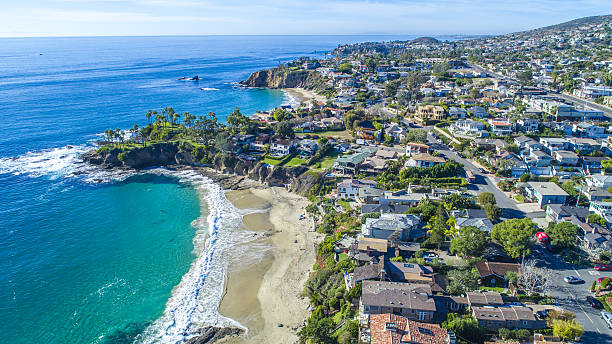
[528,125]
[458,112]
[413,301]
[413,148]
[429,113]
[566,158]
[393,227]
[590,130]
[553,144]
[396,329]
[281,147]
[493,274]
[357,189]
[501,126]
[424,160]
[469,127]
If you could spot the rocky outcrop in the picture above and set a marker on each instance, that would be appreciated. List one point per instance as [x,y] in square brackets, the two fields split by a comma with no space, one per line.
[281,78]
[211,334]
[179,156]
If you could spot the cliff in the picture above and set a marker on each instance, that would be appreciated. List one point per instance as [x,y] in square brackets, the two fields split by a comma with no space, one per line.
[178,155]
[282,78]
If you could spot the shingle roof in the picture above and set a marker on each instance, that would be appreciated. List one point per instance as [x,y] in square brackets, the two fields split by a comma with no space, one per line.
[399,295]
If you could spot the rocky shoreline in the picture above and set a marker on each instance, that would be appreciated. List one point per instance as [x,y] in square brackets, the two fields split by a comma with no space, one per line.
[211,334]
[231,174]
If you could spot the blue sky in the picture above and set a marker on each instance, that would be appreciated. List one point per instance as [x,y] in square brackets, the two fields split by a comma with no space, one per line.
[202,17]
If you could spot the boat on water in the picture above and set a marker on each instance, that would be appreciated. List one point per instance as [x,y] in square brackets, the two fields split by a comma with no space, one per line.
[195,78]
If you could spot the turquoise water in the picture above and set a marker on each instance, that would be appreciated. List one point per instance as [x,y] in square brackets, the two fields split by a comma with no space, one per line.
[114,252]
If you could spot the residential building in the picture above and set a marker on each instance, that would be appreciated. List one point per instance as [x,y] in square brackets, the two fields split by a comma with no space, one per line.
[393,227]
[501,126]
[396,329]
[478,111]
[429,113]
[566,158]
[424,160]
[413,148]
[307,148]
[512,317]
[599,181]
[357,189]
[281,147]
[553,144]
[590,130]
[528,125]
[546,193]
[469,127]
[413,301]
[559,212]
[493,274]
[454,111]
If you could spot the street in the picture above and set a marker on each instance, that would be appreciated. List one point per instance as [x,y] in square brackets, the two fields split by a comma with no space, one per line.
[483,183]
[572,297]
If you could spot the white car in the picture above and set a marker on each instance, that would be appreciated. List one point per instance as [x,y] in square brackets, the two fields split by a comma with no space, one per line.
[607,317]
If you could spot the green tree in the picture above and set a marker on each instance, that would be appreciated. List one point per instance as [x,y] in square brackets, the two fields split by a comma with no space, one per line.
[345,68]
[391,88]
[512,277]
[416,135]
[466,327]
[567,329]
[486,198]
[493,211]
[469,241]
[281,115]
[594,218]
[563,234]
[237,121]
[462,281]
[514,235]
[284,129]
[437,226]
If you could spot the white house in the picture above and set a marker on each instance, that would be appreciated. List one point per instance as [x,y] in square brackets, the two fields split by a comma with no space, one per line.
[281,147]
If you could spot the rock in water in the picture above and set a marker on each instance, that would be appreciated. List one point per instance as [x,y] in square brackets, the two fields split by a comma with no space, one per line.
[211,334]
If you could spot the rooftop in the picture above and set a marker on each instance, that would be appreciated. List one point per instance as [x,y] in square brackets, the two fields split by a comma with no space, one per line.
[547,188]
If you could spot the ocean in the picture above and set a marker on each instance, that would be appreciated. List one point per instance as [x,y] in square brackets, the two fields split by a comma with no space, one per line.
[89,256]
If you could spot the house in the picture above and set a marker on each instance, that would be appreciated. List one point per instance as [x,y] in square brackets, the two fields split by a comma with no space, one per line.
[570,113]
[539,158]
[455,111]
[424,160]
[260,142]
[333,123]
[357,189]
[528,125]
[592,164]
[349,164]
[493,274]
[373,165]
[413,148]
[566,158]
[395,329]
[368,249]
[393,227]
[501,126]
[560,212]
[281,147]
[482,223]
[369,272]
[599,181]
[395,132]
[429,113]
[596,239]
[596,195]
[487,298]
[587,129]
[413,301]
[307,148]
[553,144]
[512,317]
[469,127]
[408,272]
[478,111]
[584,145]
[546,193]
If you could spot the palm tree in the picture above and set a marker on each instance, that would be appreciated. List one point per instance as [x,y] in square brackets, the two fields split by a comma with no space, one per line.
[134,130]
[148,116]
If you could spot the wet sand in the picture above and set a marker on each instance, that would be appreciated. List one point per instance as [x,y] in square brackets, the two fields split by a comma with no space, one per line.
[266,293]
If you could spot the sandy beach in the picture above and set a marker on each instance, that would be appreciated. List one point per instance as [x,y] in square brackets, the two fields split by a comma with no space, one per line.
[302,95]
[265,293]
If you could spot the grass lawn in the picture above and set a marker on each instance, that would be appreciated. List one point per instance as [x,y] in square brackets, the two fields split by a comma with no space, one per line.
[340,134]
[519,198]
[325,163]
[295,162]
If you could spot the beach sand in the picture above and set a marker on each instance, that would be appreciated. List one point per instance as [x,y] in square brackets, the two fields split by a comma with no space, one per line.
[266,293]
[302,95]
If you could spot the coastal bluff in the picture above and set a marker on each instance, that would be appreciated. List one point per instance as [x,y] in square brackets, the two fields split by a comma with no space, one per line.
[282,77]
[178,155]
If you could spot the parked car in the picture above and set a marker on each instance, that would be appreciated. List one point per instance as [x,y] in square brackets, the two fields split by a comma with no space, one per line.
[600,279]
[542,314]
[607,317]
[594,302]
[573,280]
[603,267]
[430,255]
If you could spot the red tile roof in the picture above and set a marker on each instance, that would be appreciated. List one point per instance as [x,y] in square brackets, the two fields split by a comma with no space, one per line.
[395,329]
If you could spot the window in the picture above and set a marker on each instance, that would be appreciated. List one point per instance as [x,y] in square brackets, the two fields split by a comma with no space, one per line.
[422,315]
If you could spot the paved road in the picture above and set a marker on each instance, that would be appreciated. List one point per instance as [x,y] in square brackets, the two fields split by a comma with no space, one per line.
[579,101]
[483,183]
[572,297]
